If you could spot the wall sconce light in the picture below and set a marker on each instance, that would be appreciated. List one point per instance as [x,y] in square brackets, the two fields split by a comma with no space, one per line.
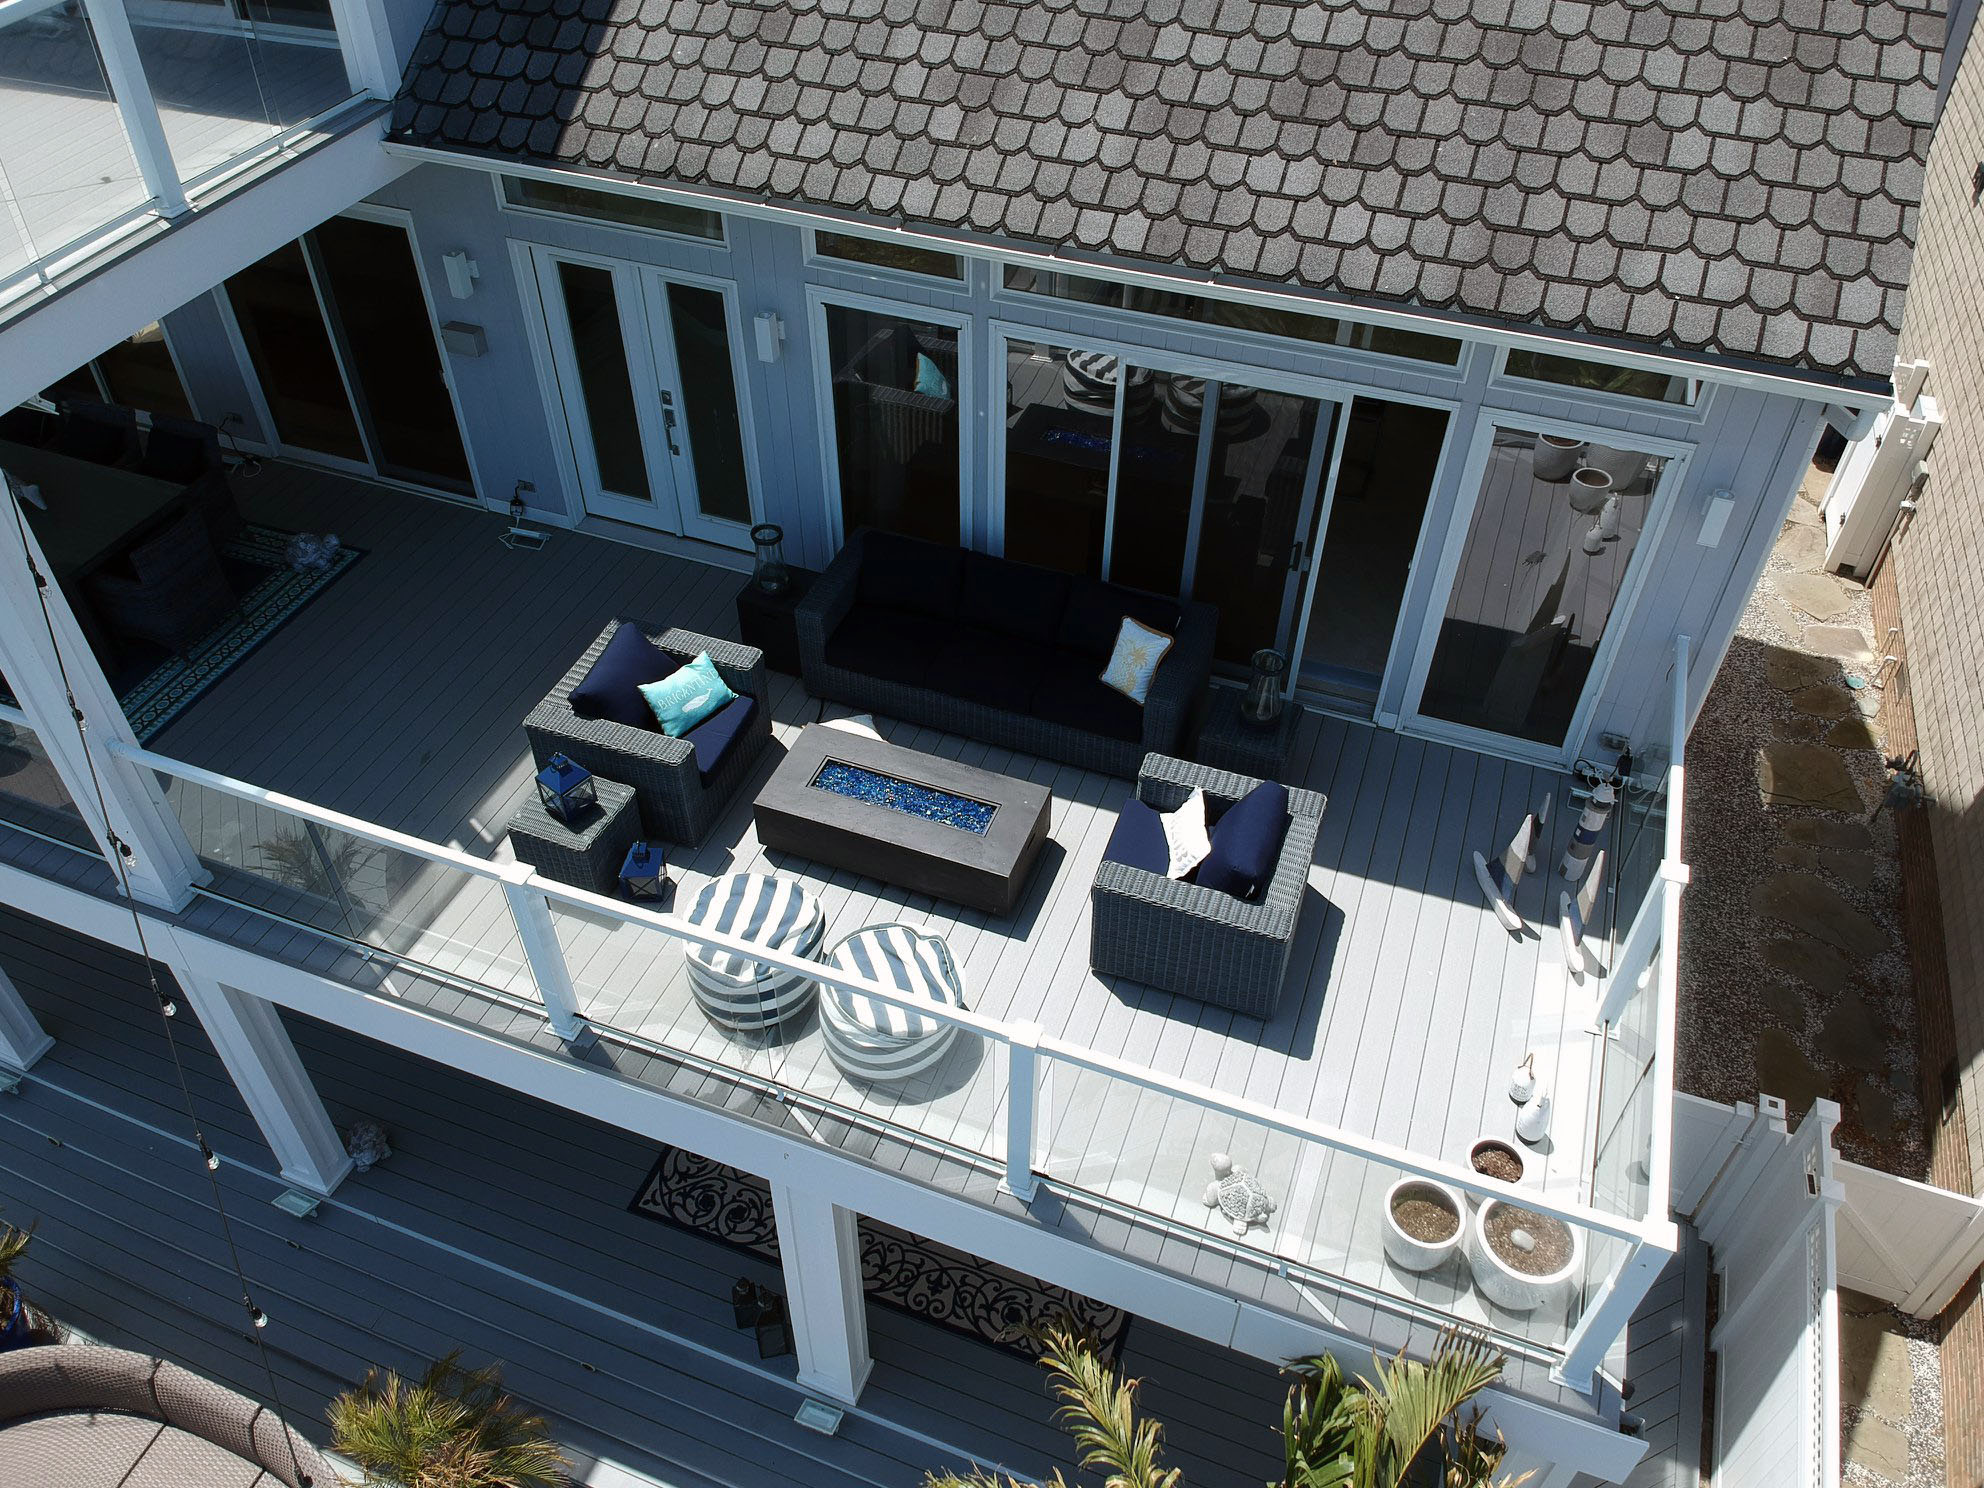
[771,335]
[1715,521]
[462,272]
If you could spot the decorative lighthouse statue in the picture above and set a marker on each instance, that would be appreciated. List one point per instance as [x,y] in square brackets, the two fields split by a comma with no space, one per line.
[1584,837]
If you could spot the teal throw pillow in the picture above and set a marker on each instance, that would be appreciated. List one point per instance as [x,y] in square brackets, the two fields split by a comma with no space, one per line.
[930,378]
[687,696]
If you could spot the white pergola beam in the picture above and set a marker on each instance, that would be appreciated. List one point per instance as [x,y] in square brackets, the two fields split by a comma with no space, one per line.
[819,1245]
[249,1036]
[22,1038]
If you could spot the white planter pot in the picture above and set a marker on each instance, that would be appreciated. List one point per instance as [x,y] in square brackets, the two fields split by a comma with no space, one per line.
[1505,1145]
[1408,1252]
[1556,457]
[1624,466]
[1506,1287]
[1589,488]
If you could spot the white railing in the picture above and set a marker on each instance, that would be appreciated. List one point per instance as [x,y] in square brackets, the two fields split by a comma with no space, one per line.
[1331,1182]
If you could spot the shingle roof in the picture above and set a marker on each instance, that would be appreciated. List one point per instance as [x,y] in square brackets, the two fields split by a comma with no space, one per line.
[1736,178]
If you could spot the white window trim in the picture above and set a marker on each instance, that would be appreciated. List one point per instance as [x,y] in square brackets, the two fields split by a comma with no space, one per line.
[818,297]
[1666,497]
[719,243]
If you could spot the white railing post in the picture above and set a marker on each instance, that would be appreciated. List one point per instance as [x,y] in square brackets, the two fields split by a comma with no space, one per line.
[1605,1316]
[22,1038]
[1022,1087]
[539,939]
[124,70]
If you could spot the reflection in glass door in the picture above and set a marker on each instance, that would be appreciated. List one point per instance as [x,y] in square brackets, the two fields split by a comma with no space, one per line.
[1546,555]
[650,445]
[275,305]
[896,427]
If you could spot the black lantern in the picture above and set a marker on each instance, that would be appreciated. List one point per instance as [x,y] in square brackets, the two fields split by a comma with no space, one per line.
[566,789]
[744,1303]
[1261,707]
[768,570]
[644,875]
[774,1331]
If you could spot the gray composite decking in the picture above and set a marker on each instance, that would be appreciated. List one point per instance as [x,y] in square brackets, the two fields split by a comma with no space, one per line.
[498,1225]
[1666,1361]
[396,696]
[66,167]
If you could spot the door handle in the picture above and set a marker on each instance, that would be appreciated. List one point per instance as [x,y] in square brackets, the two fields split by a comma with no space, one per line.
[668,422]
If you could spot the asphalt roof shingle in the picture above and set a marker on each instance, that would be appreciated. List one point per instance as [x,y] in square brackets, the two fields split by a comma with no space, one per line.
[1724,177]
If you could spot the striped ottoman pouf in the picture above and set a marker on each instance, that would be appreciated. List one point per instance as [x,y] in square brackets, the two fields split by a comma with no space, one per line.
[875,1040]
[776,913]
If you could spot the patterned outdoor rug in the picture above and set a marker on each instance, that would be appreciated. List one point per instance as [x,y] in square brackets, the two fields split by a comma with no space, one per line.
[271,591]
[898,1269]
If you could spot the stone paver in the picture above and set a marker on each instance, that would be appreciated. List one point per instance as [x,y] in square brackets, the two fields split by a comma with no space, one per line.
[1802,545]
[1807,903]
[1825,969]
[1819,595]
[1790,773]
[1784,1071]
[1793,671]
[1824,831]
[1846,642]
[1822,700]
[1853,733]
[1853,1036]
[1878,1447]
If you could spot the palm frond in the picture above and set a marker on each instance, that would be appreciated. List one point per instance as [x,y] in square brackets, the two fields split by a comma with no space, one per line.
[1099,1410]
[1318,1426]
[13,1245]
[454,1428]
[1411,1403]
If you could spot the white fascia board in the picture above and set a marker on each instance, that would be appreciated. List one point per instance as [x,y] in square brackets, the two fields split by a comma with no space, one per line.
[42,342]
[1212,286]
[1585,1443]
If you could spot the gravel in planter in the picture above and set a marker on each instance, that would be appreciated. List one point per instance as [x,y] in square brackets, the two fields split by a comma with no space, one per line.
[1426,1220]
[1497,1160]
[1550,1250]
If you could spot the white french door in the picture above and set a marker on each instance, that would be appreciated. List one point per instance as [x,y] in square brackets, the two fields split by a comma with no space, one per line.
[649,444]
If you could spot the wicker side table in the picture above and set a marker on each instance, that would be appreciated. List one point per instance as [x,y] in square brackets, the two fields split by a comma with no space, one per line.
[1229,742]
[588,855]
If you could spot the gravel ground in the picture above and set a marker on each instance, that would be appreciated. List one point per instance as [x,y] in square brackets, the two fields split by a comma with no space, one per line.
[1756,1014]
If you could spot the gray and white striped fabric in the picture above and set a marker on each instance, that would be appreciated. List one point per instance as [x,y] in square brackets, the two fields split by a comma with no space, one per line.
[875,1040]
[774,912]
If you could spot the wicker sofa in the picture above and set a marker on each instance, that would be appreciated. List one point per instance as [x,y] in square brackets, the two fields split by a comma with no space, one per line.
[997,650]
[679,799]
[1199,942]
[82,1416]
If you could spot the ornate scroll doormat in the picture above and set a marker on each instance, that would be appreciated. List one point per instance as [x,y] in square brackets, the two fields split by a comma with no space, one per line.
[900,1270]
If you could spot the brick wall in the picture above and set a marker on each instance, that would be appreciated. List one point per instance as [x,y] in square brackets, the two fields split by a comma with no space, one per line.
[1938,566]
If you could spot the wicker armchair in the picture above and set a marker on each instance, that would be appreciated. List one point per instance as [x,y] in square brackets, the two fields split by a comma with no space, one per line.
[678,803]
[178,591]
[1199,942]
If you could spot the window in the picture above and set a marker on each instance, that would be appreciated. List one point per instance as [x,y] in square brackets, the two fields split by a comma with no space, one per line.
[889,255]
[1602,377]
[610,206]
[137,373]
[1322,330]
[897,435]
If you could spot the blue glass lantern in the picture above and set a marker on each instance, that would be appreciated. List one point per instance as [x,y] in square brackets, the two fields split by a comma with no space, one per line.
[566,789]
[645,873]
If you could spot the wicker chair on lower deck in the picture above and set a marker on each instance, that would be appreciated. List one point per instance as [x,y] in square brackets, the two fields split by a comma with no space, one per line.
[678,801]
[1195,941]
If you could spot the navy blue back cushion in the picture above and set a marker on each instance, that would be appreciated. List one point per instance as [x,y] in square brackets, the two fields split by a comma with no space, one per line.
[715,734]
[1138,840]
[612,689]
[1095,614]
[1015,599]
[904,573]
[1246,843]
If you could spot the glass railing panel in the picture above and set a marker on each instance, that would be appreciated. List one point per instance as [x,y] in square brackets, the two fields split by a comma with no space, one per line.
[415,909]
[1153,1151]
[66,167]
[1623,1129]
[226,85]
[32,795]
[920,1080]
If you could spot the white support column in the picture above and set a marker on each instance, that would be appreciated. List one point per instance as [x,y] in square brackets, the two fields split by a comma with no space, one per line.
[22,1038]
[1022,1104]
[251,1041]
[163,866]
[124,69]
[539,939]
[819,1246]
[1606,1314]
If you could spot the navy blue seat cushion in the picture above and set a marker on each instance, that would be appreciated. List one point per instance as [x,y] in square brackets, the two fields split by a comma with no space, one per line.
[998,671]
[715,734]
[1246,843]
[904,573]
[887,644]
[612,689]
[1015,599]
[1138,840]
[1095,614]
[1072,692]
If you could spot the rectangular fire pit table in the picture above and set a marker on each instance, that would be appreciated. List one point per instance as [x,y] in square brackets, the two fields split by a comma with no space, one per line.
[945,829]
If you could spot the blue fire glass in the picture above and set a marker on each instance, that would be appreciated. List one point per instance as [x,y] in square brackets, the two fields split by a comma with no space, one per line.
[905,796]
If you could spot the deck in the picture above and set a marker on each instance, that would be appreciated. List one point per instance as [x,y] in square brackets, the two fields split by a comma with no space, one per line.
[499,1225]
[66,167]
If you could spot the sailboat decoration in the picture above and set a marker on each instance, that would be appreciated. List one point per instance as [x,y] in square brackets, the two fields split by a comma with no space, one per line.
[1574,909]
[1498,879]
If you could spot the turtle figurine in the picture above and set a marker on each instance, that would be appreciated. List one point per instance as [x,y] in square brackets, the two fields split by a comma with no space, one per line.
[1238,1197]
[365,1145]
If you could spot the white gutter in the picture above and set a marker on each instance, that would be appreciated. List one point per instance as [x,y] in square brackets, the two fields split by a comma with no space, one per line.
[1214,286]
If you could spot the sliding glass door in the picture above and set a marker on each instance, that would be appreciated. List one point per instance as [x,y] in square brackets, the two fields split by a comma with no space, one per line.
[1540,563]
[649,444]
[895,386]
